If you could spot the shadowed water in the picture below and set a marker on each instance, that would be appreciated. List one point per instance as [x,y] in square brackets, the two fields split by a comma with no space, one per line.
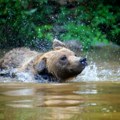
[93,95]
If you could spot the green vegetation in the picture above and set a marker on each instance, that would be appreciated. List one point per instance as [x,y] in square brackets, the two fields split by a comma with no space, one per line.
[23,22]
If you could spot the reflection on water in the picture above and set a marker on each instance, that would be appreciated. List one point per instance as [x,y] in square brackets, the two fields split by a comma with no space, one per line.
[95,94]
[66,101]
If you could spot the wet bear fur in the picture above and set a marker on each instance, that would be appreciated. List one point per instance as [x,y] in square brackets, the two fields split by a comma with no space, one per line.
[59,64]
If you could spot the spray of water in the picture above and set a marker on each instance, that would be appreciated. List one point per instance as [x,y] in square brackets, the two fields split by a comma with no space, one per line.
[93,73]
[90,73]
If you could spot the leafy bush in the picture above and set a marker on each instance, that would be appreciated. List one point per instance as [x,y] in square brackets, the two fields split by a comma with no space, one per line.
[86,34]
[23,22]
[92,27]
[20,20]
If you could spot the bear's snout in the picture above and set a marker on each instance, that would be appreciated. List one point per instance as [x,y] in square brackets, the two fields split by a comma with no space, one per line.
[83,61]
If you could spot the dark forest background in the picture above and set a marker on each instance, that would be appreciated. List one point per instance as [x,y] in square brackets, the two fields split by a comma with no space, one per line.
[33,22]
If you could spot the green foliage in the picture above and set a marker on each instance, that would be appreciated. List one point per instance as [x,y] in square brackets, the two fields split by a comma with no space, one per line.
[44,32]
[86,34]
[90,25]
[24,21]
[102,15]
[19,21]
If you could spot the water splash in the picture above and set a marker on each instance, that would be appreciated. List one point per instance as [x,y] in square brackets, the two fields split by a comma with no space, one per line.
[90,73]
[94,73]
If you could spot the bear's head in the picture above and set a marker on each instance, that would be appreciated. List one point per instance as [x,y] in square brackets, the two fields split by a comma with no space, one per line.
[61,62]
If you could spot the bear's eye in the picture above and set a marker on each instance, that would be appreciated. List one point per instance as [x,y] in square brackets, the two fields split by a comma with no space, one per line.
[63,58]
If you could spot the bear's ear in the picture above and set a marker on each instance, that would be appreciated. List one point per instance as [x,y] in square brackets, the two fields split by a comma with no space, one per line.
[41,66]
[58,44]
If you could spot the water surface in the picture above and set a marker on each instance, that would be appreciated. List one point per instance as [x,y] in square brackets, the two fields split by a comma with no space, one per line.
[66,101]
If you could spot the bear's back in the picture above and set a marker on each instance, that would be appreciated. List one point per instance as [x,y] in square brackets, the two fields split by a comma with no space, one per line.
[17,57]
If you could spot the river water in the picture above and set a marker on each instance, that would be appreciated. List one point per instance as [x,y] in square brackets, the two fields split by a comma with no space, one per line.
[93,95]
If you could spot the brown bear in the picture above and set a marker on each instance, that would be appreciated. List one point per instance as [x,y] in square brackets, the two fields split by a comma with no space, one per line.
[59,64]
